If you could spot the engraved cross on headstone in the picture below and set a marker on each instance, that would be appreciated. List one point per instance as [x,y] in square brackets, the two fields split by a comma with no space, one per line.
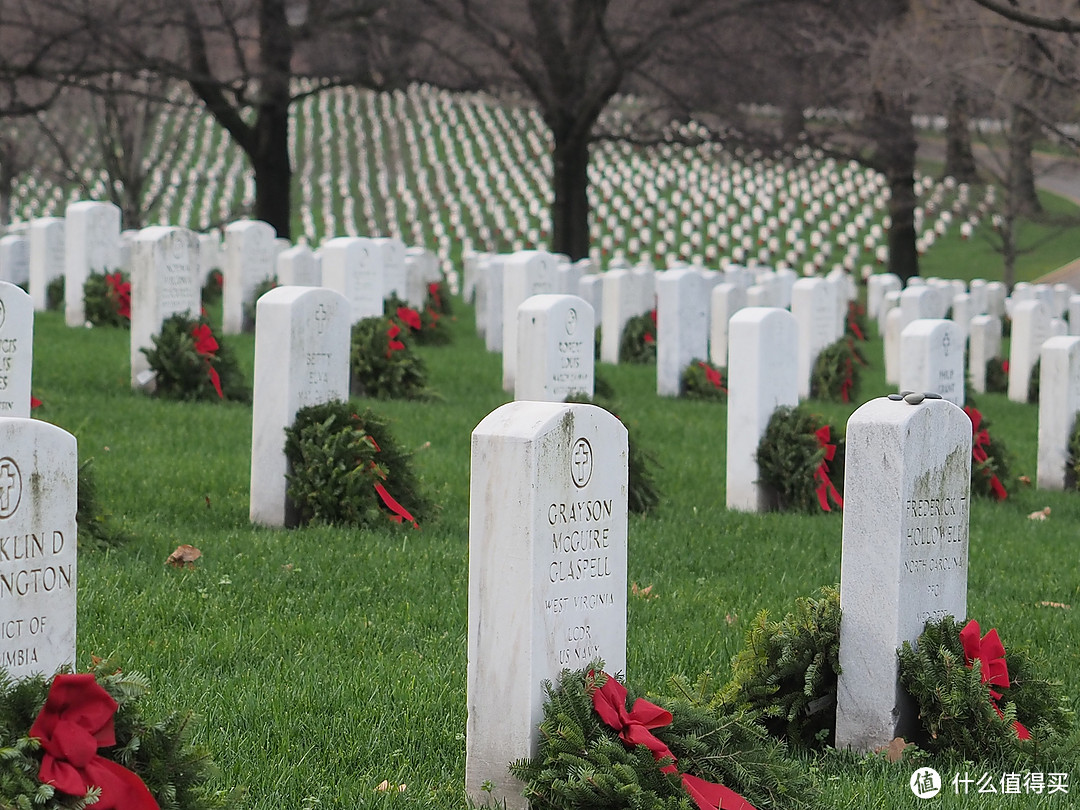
[321,317]
[7,484]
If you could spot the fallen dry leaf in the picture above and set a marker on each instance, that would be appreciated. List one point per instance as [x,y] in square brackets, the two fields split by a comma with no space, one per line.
[1025,479]
[385,786]
[1061,605]
[643,593]
[1042,514]
[184,557]
[894,751]
[731,618]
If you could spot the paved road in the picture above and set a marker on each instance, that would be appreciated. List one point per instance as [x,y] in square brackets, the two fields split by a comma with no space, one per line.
[1059,175]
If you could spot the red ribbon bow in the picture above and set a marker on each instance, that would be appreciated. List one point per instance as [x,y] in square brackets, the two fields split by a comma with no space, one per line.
[825,489]
[401,514]
[409,317]
[121,293]
[713,376]
[634,726]
[393,345]
[206,345]
[853,324]
[980,440]
[76,720]
[993,672]
[433,291]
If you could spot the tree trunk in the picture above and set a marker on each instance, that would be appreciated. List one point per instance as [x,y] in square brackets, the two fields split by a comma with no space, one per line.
[273,171]
[890,127]
[959,159]
[903,256]
[1023,129]
[570,181]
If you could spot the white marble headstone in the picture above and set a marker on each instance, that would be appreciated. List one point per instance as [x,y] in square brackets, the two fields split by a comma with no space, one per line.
[556,348]
[39,468]
[1031,328]
[1059,401]
[15,258]
[392,251]
[725,300]
[985,345]
[762,375]
[814,304]
[932,359]
[905,554]
[301,359]
[164,282]
[547,573]
[16,350]
[525,274]
[91,245]
[353,267]
[46,257]
[296,267]
[250,258]
[682,326]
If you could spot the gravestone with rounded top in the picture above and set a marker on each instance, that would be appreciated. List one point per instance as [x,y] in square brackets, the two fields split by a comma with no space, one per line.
[164,282]
[1059,401]
[353,267]
[525,274]
[250,259]
[1031,327]
[556,338]
[46,257]
[932,359]
[296,267]
[904,554]
[301,359]
[725,300]
[91,245]
[547,573]
[39,469]
[16,350]
[682,326]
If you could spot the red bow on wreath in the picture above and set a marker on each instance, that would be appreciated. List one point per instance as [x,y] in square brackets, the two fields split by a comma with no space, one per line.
[634,728]
[206,345]
[826,491]
[401,514]
[433,291]
[650,336]
[121,293]
[980,440]
[991,653]
[409,317]
[712,375]
[393,344]
[76,720]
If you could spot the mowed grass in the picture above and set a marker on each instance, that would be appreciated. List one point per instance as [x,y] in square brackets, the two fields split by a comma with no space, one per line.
[322,661]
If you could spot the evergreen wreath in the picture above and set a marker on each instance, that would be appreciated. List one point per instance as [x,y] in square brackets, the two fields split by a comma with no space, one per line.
[251,306]
[637,344]
[383,363]
[991,476]
[107,299]
[437,299]
[787,671]
[159,752]
[54,294]
[795,461]
[347,469]
[837,375]
[972,709]
[583,763]
[190,365]
[643,492]
[212,287]
[703,380]
[425,326]
[997,376]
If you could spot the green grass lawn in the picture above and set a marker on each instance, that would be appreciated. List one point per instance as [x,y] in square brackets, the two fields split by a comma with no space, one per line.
[323,661]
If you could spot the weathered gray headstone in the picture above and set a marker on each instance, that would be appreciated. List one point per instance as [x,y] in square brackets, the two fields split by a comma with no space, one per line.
[932,359]
[250,259]
[46,257]
[16,350]
[556,354]
[762,376]
[39,468]
[682,326]
[91,245]
[905,554]
[1059,401]
[547,573]
[164,282]
[301,359]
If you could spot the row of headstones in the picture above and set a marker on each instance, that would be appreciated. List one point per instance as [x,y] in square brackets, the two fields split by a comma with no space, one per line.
[693,307]
[89,240]
[548,579]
